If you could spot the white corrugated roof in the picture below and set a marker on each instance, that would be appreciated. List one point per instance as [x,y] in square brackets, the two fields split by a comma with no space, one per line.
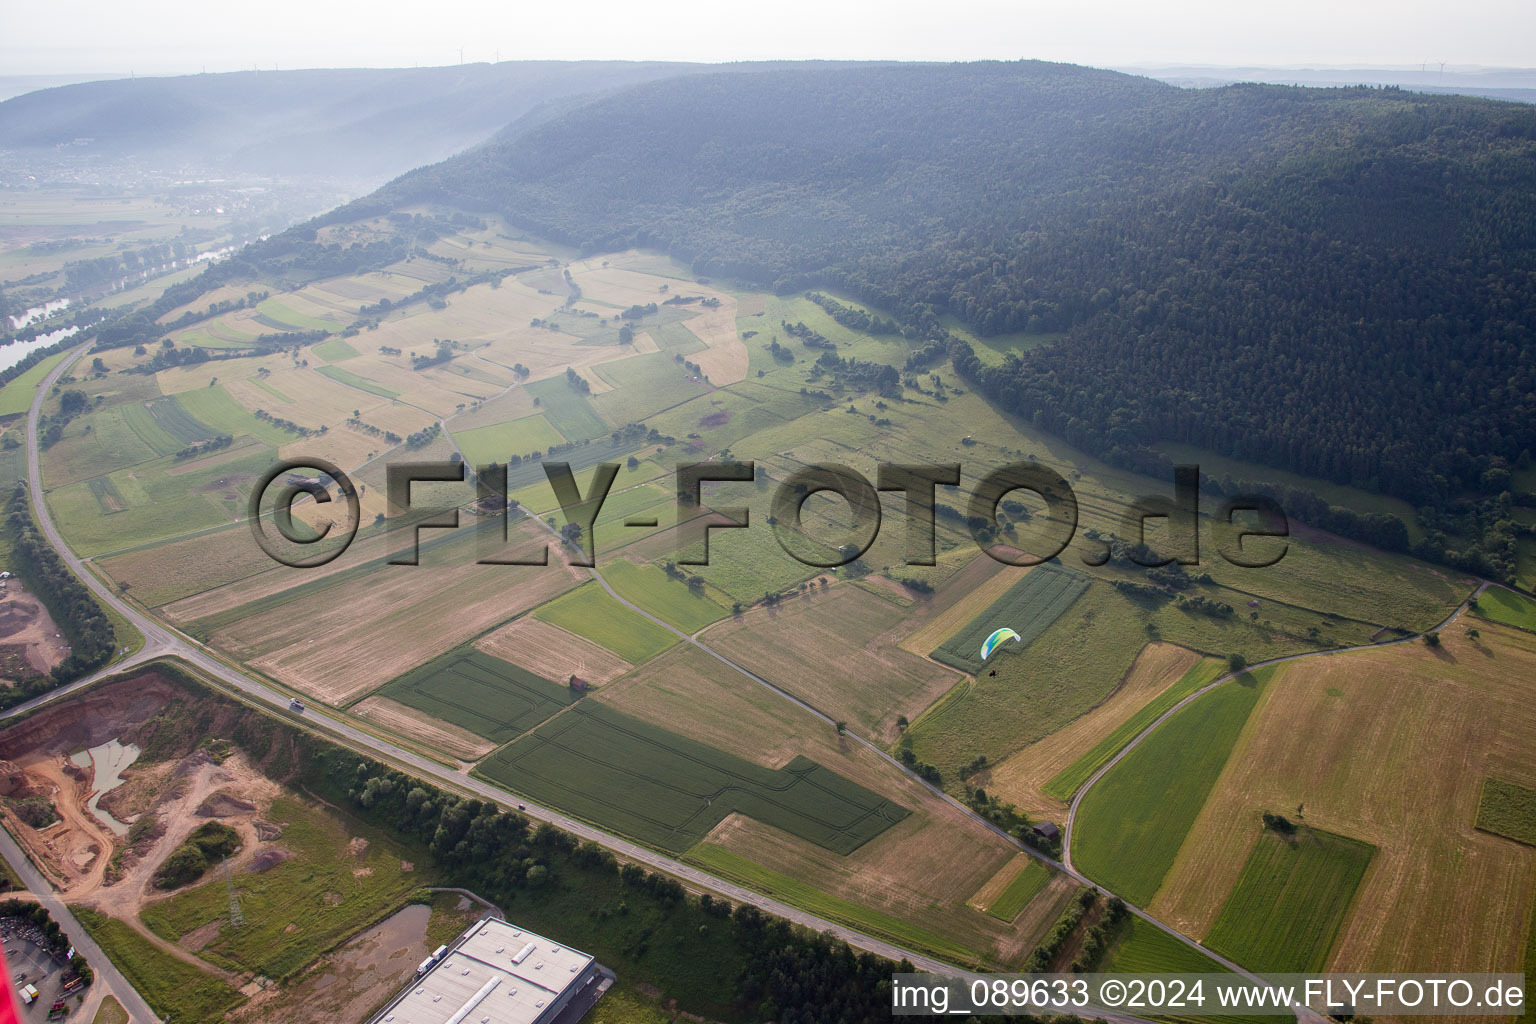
[484,980]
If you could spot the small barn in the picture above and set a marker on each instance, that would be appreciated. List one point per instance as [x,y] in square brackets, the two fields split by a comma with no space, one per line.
[1048,831]
[578,684]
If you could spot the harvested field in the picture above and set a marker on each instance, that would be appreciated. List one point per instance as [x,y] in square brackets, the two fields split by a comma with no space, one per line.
[1390,746]
[1029,778]
[434,733]
[837,649]
[1131,825]
[337,643]
[551,652]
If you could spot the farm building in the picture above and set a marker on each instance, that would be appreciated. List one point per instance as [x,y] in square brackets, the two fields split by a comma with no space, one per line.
[499,973]
[1048,831]
[578,684]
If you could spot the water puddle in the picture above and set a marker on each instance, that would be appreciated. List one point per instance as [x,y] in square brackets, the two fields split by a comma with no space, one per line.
[108,762]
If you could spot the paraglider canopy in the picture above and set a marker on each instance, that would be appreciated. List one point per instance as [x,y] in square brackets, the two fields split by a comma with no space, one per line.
[995,641]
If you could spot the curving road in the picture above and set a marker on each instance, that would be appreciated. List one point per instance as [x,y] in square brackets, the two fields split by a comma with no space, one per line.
[1077,798]
[161,641]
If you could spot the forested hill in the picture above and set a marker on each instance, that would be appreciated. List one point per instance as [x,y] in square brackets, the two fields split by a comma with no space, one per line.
[1335,281]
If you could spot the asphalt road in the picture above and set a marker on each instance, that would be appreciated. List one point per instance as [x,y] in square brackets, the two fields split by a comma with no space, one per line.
[161,640]
[33,880]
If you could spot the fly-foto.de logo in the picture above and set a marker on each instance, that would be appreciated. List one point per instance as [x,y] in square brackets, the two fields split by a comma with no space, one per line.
[1247,530]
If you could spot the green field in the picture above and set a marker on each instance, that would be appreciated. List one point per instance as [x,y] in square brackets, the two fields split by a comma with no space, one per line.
[1290,901]
[303,907]
[276,314]
[175,990]
[1130,826]
[588,611]
[666,598]
[568,412]
[165,425]
[643,386]
[335,350]
[1147,949]
[1072,777]
[483,694]
[1029,607]
[351,379]
[218,408]
[106,495]
[16,396]
[1508,607]
[1508,810]
[154,503]
[483,446]
[669,791]
[732,866]
[1025,886]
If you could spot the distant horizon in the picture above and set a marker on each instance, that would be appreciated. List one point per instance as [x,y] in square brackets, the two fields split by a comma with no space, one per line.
[177,37]
[1431,68]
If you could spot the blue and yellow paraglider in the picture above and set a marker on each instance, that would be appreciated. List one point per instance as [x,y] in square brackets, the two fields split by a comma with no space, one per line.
[996,640]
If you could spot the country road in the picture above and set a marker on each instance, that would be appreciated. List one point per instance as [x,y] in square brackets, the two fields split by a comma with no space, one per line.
[161,640]
[1077,798]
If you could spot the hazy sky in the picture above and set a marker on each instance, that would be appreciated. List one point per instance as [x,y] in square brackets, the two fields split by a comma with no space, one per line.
[185,36]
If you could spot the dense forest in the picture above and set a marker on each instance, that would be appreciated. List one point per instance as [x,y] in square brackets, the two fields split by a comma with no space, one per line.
[1337,282]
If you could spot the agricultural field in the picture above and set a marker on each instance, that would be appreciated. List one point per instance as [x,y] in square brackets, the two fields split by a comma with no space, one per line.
[484,446]
[1042,777]
[1131,825]
[1508,810]
[836,648]
[341,635]
[551,653]
[1502,605]
[1031,878]
[1291,900]
[1390,746]
[668,599]
[487,696]
[16,396]
[590,612]
[1028,608]
[732,866]
[925,869]
[668,791]
[353,380]
[1071,778]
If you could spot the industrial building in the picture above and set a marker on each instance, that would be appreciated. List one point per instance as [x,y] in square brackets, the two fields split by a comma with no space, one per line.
[498,973]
